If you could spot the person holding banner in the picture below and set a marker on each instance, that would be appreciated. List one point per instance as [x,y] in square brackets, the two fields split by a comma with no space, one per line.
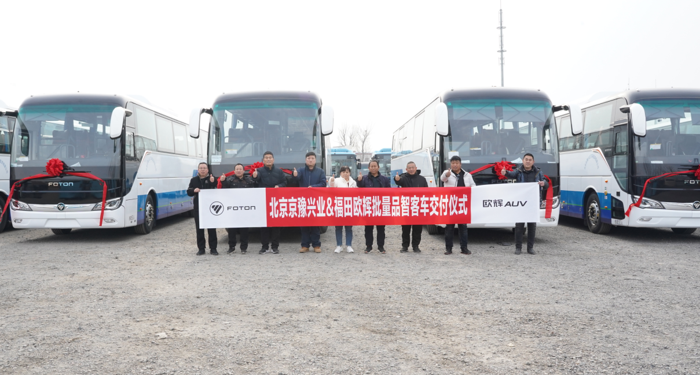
[411,179]
[454,177]
[203,180]
[237,181]
[527,172]
[269,177]
[345,181]
[312,177]
[374,179]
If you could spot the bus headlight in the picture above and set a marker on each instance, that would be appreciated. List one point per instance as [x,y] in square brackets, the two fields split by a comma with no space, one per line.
[111,204]
[555,203]
[649,203]
[20,206]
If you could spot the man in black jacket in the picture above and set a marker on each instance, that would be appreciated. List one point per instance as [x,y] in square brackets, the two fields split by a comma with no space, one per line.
[411,179]
[238,181]
[269,177]
[203,180]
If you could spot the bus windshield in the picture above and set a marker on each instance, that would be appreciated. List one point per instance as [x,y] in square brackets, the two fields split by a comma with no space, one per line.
[673,133]
[242,131]
[77,134]
[343,160]
[491,130]
[5,134]
[384,161]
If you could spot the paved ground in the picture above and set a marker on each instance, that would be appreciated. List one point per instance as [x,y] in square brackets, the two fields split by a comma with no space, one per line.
[116,302]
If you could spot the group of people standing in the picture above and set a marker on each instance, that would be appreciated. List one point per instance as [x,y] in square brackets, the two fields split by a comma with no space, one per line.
[311,176]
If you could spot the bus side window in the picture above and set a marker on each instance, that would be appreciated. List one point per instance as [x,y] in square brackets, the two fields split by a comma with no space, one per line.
[129,153]
[139,147]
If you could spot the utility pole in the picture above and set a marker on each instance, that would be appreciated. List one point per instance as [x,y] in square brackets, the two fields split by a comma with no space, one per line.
[501,27]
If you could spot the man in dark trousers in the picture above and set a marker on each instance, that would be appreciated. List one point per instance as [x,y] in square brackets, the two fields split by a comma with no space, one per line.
[310,176]
[374,180]
[269,177]
[411,179]
[203,180]
[238,181]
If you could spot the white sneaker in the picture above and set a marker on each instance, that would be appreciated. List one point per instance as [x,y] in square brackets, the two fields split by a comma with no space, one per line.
[338,249]
[350,250]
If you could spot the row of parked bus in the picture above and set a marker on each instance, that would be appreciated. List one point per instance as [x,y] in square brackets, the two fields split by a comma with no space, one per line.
[598,156]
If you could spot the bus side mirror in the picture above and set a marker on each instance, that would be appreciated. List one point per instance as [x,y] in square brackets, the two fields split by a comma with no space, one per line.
[326,120]
[116,122]
[576,119]
[638,118]
[441,122]
[195,117]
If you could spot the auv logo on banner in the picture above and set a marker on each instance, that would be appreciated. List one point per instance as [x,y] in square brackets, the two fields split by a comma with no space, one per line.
[291,207]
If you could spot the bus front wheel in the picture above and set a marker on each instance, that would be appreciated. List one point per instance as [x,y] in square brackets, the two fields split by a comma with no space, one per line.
[593,218]
[683,230]
[60,232]
[149,217]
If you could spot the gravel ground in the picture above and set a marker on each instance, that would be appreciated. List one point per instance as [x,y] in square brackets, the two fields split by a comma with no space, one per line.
[116,302]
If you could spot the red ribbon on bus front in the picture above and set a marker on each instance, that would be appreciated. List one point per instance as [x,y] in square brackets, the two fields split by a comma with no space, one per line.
[549,199]
[497,167]
[695,172]
[55,168]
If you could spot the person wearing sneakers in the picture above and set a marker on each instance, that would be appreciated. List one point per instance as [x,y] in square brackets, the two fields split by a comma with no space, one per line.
[269,177]
[203,180]
[453,177]
[527,172]
[411,179]
[374,179]
[237,181]
[345,181]
[310,176]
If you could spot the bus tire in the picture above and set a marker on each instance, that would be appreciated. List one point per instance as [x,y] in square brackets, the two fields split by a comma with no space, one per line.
[149,217]
[60,232]
[324,230]
[593,218]
[3,220]
[683,230]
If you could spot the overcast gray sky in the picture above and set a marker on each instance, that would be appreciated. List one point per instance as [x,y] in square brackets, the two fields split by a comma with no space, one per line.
[376,62]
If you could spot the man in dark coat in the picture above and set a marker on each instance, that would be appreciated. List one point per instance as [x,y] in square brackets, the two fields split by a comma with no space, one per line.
[269,177]
[238,181]
[310,176]
[411,179]
[374,180]
[203,180]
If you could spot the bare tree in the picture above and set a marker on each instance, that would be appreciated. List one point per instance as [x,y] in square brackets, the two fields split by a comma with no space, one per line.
[346,136]
[362,138]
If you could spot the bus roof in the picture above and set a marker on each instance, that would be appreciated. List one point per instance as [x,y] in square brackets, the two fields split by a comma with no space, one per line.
[633,96]
[340,151]
[269,95]
[117,100]
[494,93]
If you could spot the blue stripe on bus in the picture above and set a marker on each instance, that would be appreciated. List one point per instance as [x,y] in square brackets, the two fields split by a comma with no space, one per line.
[167,204]
[573,205]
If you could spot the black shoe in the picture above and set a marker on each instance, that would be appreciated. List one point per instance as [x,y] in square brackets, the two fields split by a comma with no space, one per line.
[466,251]
[404,249]
[368,249]
[262,251]
[275,251]
[517,251]
[201,252]
[381,250]
[243,251]
[531,251]
[416,250]
[214,252]
[232,249]
[448,252]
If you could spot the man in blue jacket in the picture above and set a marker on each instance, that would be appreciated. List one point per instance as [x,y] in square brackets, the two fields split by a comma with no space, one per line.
[310,176]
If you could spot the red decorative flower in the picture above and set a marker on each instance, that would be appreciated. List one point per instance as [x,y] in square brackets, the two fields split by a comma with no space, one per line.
[500,166]
[251,168]
[54,167]
[697,173]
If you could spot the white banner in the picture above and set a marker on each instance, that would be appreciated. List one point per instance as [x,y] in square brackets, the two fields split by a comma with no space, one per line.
[232,208]
[506,203]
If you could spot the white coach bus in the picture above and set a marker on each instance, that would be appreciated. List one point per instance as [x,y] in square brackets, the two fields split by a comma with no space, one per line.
[626,140]
[482,126]
[144,156]
[7,122]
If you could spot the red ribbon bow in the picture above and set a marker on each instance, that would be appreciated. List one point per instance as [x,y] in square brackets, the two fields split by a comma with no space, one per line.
[55,168]
[695,172]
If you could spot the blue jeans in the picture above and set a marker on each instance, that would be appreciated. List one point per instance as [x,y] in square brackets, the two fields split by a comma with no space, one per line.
[339,235]
[310,236]
[449,233]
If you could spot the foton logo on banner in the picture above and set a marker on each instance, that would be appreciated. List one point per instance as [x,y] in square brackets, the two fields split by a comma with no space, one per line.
[499,203]
[216,208]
